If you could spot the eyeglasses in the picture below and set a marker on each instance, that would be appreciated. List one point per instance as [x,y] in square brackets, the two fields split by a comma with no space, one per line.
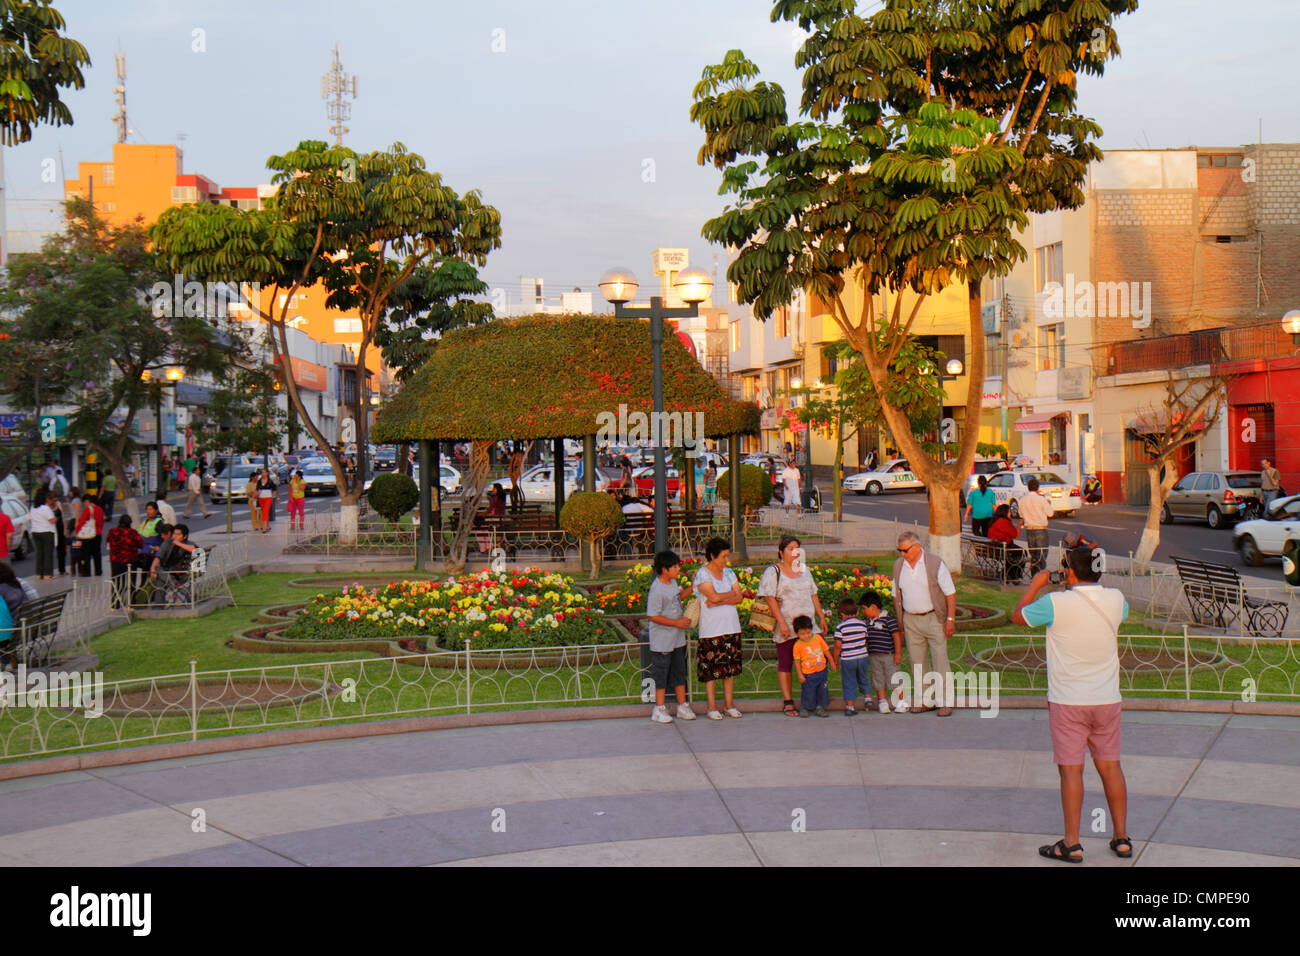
[905,550]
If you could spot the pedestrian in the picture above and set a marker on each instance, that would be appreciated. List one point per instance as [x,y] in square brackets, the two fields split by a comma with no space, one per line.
[1270,483]
[789,591]
[12,590]
[44,523]
[194,486]
[667,635]
[979,508]
[265,497]
[1083,698]
[884,647]
[124,544]
[1035,510]
[1004,531]
[717,656]
[870,462]
[130,476]
[923,591]
[47,474]
[850,653]
[108,495]
[812,656]
[6,535]
[88,536]
[151,537]
[710,483]
[59,482]
[61,531]
[790,478]
[298,501]
[254,510]
[516,468]
[165,509]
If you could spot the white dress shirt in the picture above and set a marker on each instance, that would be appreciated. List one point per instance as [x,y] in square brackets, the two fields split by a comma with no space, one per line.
[915,587]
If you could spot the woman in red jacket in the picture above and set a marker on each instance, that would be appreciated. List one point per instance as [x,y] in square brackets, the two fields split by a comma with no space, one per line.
[124,544]
[87,535]
[1003,530]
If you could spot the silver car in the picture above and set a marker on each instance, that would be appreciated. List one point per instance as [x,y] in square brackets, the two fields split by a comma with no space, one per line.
[1215,497]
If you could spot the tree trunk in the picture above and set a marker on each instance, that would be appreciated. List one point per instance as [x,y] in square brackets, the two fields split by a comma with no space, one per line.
[945,527]
[1159,493]
[349,514]
[475,489]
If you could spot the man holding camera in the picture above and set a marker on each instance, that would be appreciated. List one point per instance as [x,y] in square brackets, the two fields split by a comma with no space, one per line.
[1083,699]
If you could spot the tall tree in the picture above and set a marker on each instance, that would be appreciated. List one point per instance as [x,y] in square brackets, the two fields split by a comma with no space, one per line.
[360,226]
[36,62]
[926,134]
[86,328]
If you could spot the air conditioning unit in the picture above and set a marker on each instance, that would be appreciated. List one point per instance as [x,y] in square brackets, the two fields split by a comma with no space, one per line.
[991,314]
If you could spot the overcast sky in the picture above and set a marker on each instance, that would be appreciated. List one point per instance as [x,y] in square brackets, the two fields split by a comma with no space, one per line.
[559,124]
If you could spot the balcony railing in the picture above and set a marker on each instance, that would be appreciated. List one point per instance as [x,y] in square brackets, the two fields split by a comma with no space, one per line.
[1198,348]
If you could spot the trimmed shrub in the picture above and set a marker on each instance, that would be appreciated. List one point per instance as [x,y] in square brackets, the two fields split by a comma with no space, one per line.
[591,516]
[755,487]
[393,495]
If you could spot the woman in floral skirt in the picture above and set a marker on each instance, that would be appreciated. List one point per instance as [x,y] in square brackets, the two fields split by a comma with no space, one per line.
[718,656]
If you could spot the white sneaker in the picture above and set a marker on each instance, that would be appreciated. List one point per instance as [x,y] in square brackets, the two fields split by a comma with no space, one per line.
[684,712]
[660,715]
[715,715]
[883,707]
[732,712]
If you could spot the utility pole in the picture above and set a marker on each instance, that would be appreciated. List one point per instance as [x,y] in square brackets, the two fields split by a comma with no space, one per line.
[336,88]
[1006,374]
[119,94]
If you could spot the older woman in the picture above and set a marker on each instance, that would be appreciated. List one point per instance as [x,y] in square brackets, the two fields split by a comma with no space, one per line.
[790,591]
[718,657]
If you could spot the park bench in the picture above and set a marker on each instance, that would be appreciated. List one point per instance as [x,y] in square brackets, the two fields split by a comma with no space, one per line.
[537,531]
[1217,597]
[983,558]
[637,536]
[34,632]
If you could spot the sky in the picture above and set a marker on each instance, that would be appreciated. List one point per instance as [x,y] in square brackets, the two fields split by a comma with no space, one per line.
[570,116]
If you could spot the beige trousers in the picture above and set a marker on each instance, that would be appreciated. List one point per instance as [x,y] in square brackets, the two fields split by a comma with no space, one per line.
[924,632]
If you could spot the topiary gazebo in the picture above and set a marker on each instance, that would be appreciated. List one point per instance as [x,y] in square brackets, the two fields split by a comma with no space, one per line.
[547,377]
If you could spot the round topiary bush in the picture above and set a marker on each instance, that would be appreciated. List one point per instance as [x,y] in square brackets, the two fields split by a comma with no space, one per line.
[755,487]
[393,495]
[591,516]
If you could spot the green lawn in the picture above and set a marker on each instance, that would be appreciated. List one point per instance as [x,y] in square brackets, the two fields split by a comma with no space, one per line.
[379,688]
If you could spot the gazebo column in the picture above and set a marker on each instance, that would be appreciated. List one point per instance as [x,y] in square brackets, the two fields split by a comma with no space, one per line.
[424,534]
[557,454]
[688,476]
[738,549]
[588,484]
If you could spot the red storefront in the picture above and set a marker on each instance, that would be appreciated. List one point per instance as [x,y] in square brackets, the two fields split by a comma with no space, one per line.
[1264,415]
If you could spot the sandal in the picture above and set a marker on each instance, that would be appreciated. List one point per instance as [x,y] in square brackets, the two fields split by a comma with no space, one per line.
[1059,851]
[790,709]
[1116,843]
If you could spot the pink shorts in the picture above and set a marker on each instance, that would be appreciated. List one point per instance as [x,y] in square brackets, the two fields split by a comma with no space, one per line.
[1075,729]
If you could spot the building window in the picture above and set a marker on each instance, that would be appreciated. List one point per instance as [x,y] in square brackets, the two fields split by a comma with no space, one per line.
[183,194]
[110,207]
[734,330]
[783,323]
[1051,347]
[106,174]
[732,291]
[347,326]
[993,356]
[1049,265]
[769,387]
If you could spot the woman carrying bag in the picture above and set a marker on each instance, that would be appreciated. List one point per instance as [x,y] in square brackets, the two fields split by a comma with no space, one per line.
[88,536]
[717,657]
[789,591]
[265,498]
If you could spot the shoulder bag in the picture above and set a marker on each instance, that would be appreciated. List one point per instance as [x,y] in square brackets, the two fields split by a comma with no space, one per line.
[760,616]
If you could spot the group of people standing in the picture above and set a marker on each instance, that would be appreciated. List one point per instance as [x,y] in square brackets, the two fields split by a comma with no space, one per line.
[68,532]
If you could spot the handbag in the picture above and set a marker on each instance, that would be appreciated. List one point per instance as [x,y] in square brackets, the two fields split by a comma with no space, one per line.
[692,612]
[760,616]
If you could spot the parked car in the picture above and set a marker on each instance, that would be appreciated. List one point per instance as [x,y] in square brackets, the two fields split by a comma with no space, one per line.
[13,501]
[538,483]
[238,479]
[1215,497]
[890,475]
[644,478]
[1009,486]
[981,466]
[1264,537]
[449,475]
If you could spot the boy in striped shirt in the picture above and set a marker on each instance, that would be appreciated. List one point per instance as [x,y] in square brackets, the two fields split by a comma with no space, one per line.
[851,653]
[884,647]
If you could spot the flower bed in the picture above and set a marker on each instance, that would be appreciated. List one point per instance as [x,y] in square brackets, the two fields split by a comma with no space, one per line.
[524,609]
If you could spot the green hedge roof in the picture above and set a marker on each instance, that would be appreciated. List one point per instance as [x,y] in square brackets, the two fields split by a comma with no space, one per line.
[550,376]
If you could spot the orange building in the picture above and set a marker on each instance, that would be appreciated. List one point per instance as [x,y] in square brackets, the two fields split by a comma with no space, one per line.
[143,180]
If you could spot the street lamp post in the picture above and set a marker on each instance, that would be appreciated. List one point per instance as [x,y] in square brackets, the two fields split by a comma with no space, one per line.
[173,376]
[693,287]
[954,368]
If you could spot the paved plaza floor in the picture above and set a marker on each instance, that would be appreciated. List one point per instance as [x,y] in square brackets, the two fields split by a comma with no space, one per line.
[898,790]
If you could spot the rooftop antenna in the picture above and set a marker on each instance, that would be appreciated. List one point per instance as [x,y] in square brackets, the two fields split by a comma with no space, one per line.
[336,88]
[119,94]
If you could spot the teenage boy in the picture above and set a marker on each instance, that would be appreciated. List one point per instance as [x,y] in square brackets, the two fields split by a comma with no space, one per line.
[884,648]
[810,658]
[668,624]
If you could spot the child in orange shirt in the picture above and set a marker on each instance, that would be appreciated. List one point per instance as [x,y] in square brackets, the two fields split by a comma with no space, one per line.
[811,656]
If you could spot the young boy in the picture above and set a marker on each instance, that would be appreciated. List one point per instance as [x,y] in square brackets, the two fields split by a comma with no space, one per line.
[810,656]
[884,648]
[668,624]
[851,655]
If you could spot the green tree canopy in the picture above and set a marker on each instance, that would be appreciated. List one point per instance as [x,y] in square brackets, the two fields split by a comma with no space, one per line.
[36,63]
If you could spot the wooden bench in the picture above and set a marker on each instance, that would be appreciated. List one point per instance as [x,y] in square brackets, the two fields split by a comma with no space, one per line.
[984,558]
[637,536]
[1217,597]
[34,631]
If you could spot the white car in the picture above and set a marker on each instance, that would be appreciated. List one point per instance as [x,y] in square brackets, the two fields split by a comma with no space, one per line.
[1010,486]
[1265,537]
[449,475]
[890,475]
[20,542]
[538,483]
[319,479]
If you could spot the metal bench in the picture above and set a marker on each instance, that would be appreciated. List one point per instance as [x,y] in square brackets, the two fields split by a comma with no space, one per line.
[34,631]
[1217,597]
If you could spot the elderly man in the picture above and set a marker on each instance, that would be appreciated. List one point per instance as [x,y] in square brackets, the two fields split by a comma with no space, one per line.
[1270,483]
[923,593]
